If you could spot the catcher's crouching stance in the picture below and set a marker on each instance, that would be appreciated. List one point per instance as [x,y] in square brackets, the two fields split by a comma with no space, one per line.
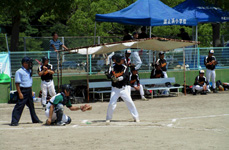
[55,107]
[118,73]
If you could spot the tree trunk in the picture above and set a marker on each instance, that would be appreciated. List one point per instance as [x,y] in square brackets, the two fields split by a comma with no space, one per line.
[216,35]
[216,31]
[15,32]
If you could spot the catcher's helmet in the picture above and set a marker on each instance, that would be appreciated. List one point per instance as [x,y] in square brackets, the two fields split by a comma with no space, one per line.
[44,59]
[66,87]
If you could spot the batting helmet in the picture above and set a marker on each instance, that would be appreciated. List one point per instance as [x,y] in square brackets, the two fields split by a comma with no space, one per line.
[44,59]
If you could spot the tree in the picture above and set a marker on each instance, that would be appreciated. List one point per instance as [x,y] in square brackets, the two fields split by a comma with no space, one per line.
[15,9]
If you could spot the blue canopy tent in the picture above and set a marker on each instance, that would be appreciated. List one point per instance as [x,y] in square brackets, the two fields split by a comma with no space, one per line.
[202,11]
[147,13]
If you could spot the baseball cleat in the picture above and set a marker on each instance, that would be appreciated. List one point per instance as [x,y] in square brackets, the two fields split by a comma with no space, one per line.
[108,121]
[60,123]
[145,99]
[136,120]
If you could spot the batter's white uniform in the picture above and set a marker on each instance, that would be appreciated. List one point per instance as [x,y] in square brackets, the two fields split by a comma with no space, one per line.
[124,94]
[120,89]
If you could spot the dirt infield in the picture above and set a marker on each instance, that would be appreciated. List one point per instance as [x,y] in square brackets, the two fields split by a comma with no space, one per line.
[174,123]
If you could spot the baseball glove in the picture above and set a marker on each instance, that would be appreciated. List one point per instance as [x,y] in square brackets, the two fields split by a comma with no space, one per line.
[214,62]
[85,107]
[114,79]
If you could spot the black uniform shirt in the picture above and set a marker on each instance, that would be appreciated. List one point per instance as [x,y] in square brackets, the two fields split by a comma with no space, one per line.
[207,60]
[47,76]
[157,74]
[201,80]
[118,71]
[134,80]
[162,62]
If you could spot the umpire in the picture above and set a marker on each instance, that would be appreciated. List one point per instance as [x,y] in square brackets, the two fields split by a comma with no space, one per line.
[23,81]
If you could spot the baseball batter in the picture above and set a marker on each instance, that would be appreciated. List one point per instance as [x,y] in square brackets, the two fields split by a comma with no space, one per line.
[119,75]
[201,84]
[46,72]
[210,63]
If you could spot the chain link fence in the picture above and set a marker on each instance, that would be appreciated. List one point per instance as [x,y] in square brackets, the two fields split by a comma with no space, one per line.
[76,64]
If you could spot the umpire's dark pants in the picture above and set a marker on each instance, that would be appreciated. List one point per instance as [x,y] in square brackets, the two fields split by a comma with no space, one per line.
[18,108]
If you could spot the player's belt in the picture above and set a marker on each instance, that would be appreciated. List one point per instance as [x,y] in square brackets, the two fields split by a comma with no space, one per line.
[47,80]
[25,88]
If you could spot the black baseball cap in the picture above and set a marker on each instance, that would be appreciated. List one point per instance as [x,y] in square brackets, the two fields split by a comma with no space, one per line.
[161,53]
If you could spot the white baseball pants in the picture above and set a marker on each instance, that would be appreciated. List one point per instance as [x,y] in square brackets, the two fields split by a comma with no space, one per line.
[141,90]
[124,93]
[210,74]
[47,87]
[165,74]
[54,117]
[199,88]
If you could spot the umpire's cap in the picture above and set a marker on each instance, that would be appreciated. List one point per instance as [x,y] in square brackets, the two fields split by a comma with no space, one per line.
[119,57]
[44,59]
[26,59]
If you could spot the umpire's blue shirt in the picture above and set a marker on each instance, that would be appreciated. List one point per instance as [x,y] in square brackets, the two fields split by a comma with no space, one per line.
[22,76]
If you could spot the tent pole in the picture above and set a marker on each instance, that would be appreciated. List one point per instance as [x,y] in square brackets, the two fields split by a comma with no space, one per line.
[58,72]
[150,31]
[95,33]
[87,78]
[184,71]
[196,35]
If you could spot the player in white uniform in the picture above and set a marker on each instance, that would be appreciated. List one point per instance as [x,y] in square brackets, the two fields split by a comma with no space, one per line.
[210,63]
[201,84]
[119,75]
[46,72]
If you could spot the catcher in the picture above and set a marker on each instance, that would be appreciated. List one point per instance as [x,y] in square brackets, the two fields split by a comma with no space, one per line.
[201,84]
[55,108]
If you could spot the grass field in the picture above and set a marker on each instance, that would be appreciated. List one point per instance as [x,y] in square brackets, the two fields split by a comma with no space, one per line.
[167,123]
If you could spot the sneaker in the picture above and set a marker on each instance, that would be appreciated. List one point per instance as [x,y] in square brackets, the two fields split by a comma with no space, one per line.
[39,121]
[137,120]
[108,121]
[60,123]
[215,91]
[145,99]
[43,107]
[204,93]
[194,92]
[14,124]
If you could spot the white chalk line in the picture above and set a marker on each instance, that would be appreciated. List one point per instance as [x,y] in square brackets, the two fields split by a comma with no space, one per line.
[121,124]
[197,117]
